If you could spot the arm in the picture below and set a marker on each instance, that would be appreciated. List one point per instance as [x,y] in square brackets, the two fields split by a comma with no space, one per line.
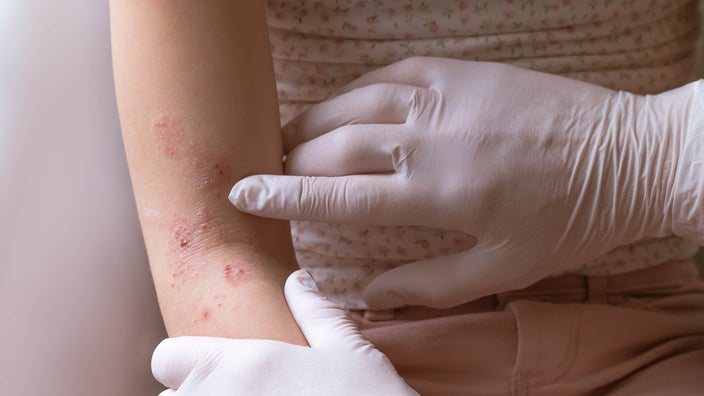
[197,102]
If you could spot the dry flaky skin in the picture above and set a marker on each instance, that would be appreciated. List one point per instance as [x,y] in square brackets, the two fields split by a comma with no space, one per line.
[197,102]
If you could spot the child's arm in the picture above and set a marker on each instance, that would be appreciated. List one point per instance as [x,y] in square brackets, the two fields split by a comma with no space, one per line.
[197,101]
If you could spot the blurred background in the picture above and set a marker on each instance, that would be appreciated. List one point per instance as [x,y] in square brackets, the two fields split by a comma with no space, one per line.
[78,314]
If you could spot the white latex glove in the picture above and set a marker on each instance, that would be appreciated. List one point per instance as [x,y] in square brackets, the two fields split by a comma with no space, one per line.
[546,172]
[339,360]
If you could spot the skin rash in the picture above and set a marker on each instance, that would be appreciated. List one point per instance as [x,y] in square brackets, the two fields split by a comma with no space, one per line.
[233,274]
[206,170]
[190,234]
[166,132]
[186,239]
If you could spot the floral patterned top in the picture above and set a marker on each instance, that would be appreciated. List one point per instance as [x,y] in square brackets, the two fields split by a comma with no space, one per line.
[642,46]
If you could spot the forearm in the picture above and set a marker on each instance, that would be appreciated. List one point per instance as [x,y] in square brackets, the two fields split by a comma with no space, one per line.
[198,109]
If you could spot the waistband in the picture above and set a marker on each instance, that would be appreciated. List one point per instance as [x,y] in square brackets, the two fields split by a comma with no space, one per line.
[663,279]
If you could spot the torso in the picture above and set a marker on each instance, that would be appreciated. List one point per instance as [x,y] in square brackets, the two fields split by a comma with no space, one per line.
[642,46]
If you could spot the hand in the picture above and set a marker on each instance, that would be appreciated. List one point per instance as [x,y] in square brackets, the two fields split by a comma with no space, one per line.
[339,360]
[546,172]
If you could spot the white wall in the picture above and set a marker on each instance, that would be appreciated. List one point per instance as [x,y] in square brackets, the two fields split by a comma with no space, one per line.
[78,314]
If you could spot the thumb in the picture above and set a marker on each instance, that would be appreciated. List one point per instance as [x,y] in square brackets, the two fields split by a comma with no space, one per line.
[321,321]
[447,281]
[359,199]
[174,359]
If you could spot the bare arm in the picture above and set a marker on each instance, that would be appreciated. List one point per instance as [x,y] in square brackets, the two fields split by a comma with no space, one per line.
[197,101]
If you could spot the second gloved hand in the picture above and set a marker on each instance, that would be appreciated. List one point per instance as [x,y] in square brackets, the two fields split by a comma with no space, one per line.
[546,172]
[339,360]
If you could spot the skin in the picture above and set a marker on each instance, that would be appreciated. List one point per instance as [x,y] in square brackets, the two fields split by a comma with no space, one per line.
[198,108]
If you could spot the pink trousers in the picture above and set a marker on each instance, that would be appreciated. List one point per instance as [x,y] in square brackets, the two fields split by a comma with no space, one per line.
[640,333]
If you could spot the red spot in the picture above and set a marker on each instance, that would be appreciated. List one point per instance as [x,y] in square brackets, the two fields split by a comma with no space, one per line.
[219,297]
[207,168]
[212,174]
[187,237]
[232,274]
[181,236]
[205,314]
[219,170]
[166,132]
[187,232]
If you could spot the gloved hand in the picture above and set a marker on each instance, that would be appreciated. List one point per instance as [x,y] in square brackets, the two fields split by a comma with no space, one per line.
[339,360]
[546,172]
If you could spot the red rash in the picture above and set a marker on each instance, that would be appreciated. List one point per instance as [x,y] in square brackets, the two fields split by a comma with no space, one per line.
[219,170]
[232,275]
[207,169]
[211,174]
[203,315]
[187,236]
[218,298]
[166,132]
[187,233]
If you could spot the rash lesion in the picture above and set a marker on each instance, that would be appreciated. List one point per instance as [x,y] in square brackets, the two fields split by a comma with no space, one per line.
[206,168]
[185,233]
[199,233]
[167,133]
[189,240]
[193,239]
[233,274]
